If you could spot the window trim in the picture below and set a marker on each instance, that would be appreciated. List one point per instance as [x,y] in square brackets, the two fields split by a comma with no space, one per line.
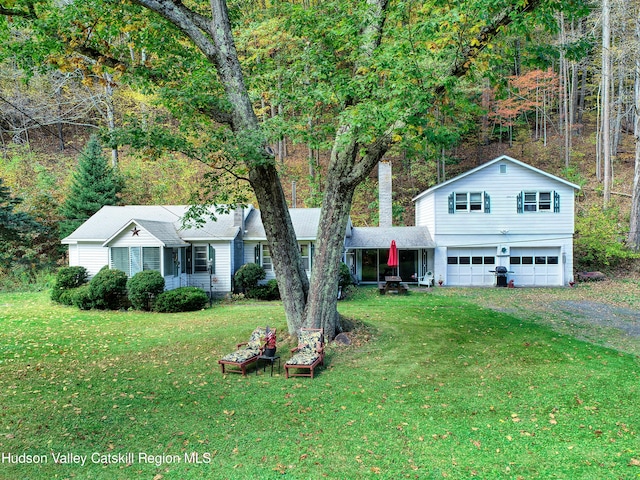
[464,202]
[268,266]
[200,260]
[305,257]
[209,258]
[138,261]
[526,204]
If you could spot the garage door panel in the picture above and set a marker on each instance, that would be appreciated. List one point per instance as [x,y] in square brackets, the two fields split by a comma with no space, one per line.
[536,266]
[470,266]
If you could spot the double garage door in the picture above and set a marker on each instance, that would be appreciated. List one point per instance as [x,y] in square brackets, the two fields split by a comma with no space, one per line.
[527,266]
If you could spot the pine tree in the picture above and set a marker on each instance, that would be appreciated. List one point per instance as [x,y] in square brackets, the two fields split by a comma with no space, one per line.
[15,228]
[94,185]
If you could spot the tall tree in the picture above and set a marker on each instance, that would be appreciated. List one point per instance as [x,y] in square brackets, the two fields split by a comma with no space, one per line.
[606,99]
[634,226]
[94,184]
[16,227]
[349,65]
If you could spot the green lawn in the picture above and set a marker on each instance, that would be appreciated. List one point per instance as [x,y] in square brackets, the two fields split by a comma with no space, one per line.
[435,387]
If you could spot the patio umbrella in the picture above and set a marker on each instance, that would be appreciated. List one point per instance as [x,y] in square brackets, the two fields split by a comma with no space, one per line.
[393,255]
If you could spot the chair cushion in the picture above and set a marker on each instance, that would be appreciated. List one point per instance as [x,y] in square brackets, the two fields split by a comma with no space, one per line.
[307,341]
[241,355]
[255,338]
[303,358]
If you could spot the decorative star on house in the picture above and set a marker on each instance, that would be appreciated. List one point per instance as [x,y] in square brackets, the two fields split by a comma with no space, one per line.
[135,232]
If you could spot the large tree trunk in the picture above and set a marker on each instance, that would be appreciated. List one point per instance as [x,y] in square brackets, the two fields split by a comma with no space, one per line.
[347,169]
[321,309]
[263,175]
[292,278]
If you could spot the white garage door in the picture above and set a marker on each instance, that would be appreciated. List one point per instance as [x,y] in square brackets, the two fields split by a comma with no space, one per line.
[471,266]
[536,266]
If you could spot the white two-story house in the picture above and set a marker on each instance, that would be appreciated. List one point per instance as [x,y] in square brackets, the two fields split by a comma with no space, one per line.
[503,213]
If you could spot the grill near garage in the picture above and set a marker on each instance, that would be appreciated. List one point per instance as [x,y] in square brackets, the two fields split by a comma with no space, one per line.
[501,275]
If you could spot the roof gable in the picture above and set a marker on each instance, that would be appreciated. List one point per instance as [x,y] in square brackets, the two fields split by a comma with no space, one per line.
[162,232]
[163,221]
[501,159]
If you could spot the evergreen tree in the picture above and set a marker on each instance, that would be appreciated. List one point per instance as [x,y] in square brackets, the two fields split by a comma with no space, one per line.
[94,185]
[15,228]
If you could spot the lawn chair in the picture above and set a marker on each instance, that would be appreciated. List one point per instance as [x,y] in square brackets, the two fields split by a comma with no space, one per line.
[246,353]
[308,354]
[426,280]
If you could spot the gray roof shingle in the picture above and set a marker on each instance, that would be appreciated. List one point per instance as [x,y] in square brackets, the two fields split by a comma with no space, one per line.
[381,237]
[110,219]
[305,223]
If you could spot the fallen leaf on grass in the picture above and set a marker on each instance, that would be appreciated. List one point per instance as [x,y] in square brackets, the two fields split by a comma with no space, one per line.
[634,462]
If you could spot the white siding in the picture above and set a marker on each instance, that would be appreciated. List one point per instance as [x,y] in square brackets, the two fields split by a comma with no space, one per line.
[73,255]
[142,239]
[220,282]
[425,213]
[92,256]
[503,190]
[172,282]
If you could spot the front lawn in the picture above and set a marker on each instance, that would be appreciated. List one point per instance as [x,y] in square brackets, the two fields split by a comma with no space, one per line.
[433,387]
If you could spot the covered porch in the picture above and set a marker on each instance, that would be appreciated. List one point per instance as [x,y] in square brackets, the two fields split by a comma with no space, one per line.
[367,253]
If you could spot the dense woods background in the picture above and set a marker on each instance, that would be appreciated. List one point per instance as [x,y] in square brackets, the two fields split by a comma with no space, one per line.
[561,94]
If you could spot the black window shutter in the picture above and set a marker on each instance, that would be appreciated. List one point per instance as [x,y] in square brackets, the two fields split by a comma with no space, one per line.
[189,259]
[556,202]
[519,203]
[487,203]
[256,254]
[212,259]
[452,204]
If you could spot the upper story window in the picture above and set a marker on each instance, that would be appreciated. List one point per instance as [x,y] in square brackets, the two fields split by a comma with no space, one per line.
[469,202]
[538,202]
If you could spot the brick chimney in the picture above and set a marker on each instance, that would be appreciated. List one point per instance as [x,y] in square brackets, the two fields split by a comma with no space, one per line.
[238,217]
[385,191]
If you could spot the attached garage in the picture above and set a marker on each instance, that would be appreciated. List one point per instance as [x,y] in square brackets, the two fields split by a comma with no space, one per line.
[536,266]
[471,266]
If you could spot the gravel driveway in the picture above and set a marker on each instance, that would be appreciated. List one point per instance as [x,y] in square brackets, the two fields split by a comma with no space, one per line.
[603,315]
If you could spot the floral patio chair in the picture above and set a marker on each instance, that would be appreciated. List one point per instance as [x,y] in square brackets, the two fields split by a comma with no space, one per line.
[246,353]
[307,355]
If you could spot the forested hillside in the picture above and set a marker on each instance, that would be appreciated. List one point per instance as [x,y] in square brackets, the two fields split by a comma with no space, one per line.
[446,87]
